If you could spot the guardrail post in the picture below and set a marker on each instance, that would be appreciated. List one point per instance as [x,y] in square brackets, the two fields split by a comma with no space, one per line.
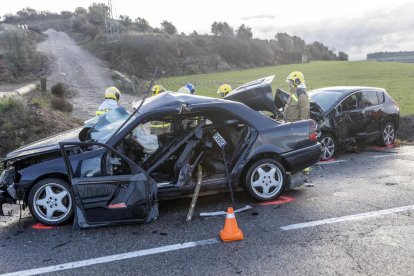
[43,84]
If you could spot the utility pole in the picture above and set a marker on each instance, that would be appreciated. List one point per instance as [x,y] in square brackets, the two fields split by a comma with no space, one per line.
[111,25]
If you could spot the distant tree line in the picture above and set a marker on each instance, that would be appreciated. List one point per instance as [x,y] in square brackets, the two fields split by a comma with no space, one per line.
[379,55]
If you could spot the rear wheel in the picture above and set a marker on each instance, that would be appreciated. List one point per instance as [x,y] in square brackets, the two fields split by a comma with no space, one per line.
[51,201]
[265,179]
[387,137]
[328,146]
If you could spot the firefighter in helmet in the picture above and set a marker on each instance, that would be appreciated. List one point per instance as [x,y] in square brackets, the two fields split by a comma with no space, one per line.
[297,106]
[112,96]
[224,89]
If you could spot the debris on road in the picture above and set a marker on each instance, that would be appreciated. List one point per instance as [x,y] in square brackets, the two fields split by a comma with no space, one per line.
[222,213]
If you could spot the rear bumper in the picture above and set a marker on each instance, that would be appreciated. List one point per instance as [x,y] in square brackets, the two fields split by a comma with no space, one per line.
[303,158]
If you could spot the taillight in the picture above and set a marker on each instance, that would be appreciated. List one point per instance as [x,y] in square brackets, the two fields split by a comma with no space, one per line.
[313,136]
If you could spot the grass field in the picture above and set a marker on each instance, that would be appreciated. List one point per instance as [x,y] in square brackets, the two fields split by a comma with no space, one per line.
[396,78]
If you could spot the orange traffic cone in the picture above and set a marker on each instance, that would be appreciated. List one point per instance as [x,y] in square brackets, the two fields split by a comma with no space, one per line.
[231,231]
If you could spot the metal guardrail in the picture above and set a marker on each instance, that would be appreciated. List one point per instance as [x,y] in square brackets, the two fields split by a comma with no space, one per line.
[19,92]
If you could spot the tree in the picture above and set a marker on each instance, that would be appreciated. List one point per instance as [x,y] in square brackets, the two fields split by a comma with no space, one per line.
[222,29]
[27,13]
[342,56]
[244,32]
[194,33]
[81,10]
[142,24]
[97,13]
[125,19]
[66,14]
[168,27]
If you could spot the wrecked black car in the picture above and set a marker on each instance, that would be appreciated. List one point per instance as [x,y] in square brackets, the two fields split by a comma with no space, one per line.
[116,168]
[349,115]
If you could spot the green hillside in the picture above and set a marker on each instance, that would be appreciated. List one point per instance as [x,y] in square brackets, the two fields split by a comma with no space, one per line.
[396,78]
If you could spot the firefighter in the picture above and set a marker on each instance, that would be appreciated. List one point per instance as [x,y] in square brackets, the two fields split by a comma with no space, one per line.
[157,89]
[188,88]
[159,127]
[297,106]
[224,89]
[112,96]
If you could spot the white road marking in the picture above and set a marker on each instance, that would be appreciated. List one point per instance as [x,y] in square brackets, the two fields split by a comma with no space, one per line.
[388,155]
[347,218]
[112,258]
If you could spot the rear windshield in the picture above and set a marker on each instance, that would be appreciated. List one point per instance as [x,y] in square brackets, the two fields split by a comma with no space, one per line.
[325,98]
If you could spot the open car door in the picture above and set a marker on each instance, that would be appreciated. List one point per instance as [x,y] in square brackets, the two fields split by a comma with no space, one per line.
[108,187]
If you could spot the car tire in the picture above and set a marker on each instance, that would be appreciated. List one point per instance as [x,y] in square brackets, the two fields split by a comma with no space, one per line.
[387,136]
[265,179]
[51,201]
[328,145]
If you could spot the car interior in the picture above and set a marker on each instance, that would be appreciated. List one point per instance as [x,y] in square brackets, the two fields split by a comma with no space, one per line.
[182,141]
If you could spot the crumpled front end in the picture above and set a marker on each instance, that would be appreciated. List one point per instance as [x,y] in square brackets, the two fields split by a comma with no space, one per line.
[8,192]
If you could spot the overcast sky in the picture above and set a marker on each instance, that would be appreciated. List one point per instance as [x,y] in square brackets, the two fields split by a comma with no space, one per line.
[357,27]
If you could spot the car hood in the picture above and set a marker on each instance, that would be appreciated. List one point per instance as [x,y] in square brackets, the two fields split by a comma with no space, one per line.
[256,95]
[46,145]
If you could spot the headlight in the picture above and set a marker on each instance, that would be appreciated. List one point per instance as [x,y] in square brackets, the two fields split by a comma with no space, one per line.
[3,178]
[7,177]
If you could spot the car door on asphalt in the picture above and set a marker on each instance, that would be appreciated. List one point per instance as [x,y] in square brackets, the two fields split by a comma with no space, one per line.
[349,118]
[372,112]
[110,189]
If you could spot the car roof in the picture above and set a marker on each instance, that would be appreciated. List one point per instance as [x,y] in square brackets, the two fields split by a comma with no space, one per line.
[346,89]
[173,100]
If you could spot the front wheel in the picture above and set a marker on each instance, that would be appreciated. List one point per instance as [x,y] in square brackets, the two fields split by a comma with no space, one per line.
[387,135]
[51,201]
[265,179]
[328,146]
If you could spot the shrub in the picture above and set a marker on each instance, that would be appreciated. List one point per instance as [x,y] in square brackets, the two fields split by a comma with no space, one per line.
[59,90]
[9,104]
[61,104]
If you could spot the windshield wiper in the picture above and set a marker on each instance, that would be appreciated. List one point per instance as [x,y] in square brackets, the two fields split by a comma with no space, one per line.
[142,102]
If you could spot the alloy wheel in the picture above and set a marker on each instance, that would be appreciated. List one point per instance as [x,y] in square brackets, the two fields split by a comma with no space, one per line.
[388,134]
[266,180]
[52,202]
[328,148]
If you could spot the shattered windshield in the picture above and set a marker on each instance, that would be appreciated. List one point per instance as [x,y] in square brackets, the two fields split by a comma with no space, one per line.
[104,126]
[324,98]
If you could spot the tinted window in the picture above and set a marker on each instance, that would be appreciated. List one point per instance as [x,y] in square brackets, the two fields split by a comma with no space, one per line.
[369,98]
[350,103]
[324,98]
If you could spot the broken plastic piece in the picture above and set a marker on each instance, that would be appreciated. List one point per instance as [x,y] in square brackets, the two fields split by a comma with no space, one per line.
[223,213]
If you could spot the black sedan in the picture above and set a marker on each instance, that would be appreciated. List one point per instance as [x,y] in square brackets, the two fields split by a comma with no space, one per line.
[116,168]
[350,115]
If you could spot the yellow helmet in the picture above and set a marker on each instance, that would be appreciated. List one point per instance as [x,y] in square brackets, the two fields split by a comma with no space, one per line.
[157,89]
[112,93]
[224,89]
[296,77]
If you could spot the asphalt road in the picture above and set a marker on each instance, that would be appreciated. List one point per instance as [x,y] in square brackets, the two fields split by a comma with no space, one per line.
[368,244]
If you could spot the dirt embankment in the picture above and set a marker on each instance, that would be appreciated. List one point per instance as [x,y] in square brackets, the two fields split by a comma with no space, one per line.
[82,71]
